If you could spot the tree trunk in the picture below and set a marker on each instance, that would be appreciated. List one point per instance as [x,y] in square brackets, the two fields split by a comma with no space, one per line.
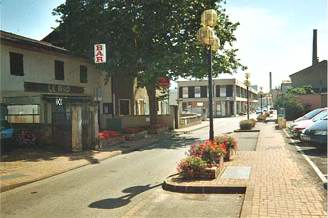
[151,90]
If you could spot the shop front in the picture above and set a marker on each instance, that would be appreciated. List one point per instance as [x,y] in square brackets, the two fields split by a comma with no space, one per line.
[59,115]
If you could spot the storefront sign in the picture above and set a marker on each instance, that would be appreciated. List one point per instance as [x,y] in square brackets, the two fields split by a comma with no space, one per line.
[52,88]
[100,53]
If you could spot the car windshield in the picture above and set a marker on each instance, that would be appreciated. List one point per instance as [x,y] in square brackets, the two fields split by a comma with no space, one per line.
[320,116]
[311,114]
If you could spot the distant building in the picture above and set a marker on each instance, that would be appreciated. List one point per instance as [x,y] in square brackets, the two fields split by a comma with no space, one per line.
[229,97]
[285,85]
[315,76]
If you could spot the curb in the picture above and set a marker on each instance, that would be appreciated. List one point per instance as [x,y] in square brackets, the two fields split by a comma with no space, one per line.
[202,189]
[192,130]
[250,130]
[315,168]
[115,153]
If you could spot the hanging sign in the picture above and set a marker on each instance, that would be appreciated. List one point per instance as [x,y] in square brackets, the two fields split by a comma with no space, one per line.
[100,53]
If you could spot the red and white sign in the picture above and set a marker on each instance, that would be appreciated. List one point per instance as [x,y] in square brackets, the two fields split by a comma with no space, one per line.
[100,53]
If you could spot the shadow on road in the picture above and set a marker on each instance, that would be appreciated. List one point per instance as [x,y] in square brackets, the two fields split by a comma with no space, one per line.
[111,203]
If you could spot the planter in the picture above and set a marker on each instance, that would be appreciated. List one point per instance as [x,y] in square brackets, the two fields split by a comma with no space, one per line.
[134,136]
[231,153]
[158,130]
[211,173]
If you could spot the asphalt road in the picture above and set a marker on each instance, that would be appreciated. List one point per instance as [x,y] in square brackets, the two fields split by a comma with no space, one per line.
[125,185]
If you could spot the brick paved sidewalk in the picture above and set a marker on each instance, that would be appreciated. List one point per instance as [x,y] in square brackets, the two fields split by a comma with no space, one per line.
[279,185]
[26,166]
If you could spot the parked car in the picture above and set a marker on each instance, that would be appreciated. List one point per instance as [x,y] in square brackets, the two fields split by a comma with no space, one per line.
[316,133]
[310,114]
[303,124]
[6,136]
[258,110]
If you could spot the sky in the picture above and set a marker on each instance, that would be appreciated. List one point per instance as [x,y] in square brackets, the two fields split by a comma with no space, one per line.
[273,36]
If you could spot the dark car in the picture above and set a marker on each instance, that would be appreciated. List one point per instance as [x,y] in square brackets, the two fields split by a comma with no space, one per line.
[316,133]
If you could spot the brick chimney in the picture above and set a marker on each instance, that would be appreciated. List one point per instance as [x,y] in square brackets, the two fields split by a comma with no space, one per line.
[315,59]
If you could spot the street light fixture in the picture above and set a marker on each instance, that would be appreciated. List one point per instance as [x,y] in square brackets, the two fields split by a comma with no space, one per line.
[207,37]
[247,83]
[261,93]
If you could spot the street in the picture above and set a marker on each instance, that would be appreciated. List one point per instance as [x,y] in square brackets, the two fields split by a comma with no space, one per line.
[126,185]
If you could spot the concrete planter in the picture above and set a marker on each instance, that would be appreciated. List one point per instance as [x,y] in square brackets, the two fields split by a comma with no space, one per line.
[158,130]
[135,136]
[231,153]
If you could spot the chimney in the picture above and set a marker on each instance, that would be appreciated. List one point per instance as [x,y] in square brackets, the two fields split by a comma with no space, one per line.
[270,78]
[314,48]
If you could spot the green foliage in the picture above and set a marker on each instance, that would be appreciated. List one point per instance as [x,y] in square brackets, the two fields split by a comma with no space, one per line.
[293,107]
[191,167]
[261,117]
[246,124]
[147,39]
[304,90]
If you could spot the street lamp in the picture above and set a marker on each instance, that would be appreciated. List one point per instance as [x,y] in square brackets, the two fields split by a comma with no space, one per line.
[261,93]
[207,37]
[247,83]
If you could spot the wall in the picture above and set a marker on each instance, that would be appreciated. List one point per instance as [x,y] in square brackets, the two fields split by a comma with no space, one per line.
[39,67]
[313,100]
[122,122]
[313,75]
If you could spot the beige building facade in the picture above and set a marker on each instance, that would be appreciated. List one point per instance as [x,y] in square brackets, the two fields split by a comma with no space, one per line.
[46,86]
[229,97]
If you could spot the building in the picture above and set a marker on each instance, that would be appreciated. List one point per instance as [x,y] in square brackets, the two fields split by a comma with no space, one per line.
[285,85]
[61,97]
[314,75]
[229,97]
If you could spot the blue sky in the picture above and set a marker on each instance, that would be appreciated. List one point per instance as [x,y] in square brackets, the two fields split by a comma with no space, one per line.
[274,35]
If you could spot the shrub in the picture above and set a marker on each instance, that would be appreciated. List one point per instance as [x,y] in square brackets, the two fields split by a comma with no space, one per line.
[253,122]
[228,140]
[209,151]
[261,118]
[293,107]
[191,167]
[246,124]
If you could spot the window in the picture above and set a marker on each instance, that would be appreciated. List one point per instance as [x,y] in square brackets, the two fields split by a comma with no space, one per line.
[16,64]
[191,92]
[185,92]
[203,91]
[59,70]
[223,91]
[24,113]
[229,91]
[217,91]
[180,92]
[107,108]
[238,91]
[83,74]
[124,107]
[197,92]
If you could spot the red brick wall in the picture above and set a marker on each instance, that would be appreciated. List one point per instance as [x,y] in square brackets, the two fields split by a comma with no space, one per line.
[312,100]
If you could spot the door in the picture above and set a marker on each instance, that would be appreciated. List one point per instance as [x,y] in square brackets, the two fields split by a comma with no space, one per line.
[62,125]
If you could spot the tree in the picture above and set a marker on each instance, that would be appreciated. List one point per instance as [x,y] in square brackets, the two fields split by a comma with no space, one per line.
[147,39]
[293,108]
[303,90]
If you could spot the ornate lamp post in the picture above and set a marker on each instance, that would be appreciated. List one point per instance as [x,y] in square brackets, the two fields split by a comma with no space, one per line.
[247,83]
[261,95]
[207,37]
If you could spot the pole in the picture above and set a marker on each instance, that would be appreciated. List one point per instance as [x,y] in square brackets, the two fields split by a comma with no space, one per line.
[247,103]
[261,103]
[210,93]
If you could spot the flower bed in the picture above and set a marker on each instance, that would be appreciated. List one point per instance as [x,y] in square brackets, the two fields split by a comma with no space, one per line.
[204,161]
[230,143]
